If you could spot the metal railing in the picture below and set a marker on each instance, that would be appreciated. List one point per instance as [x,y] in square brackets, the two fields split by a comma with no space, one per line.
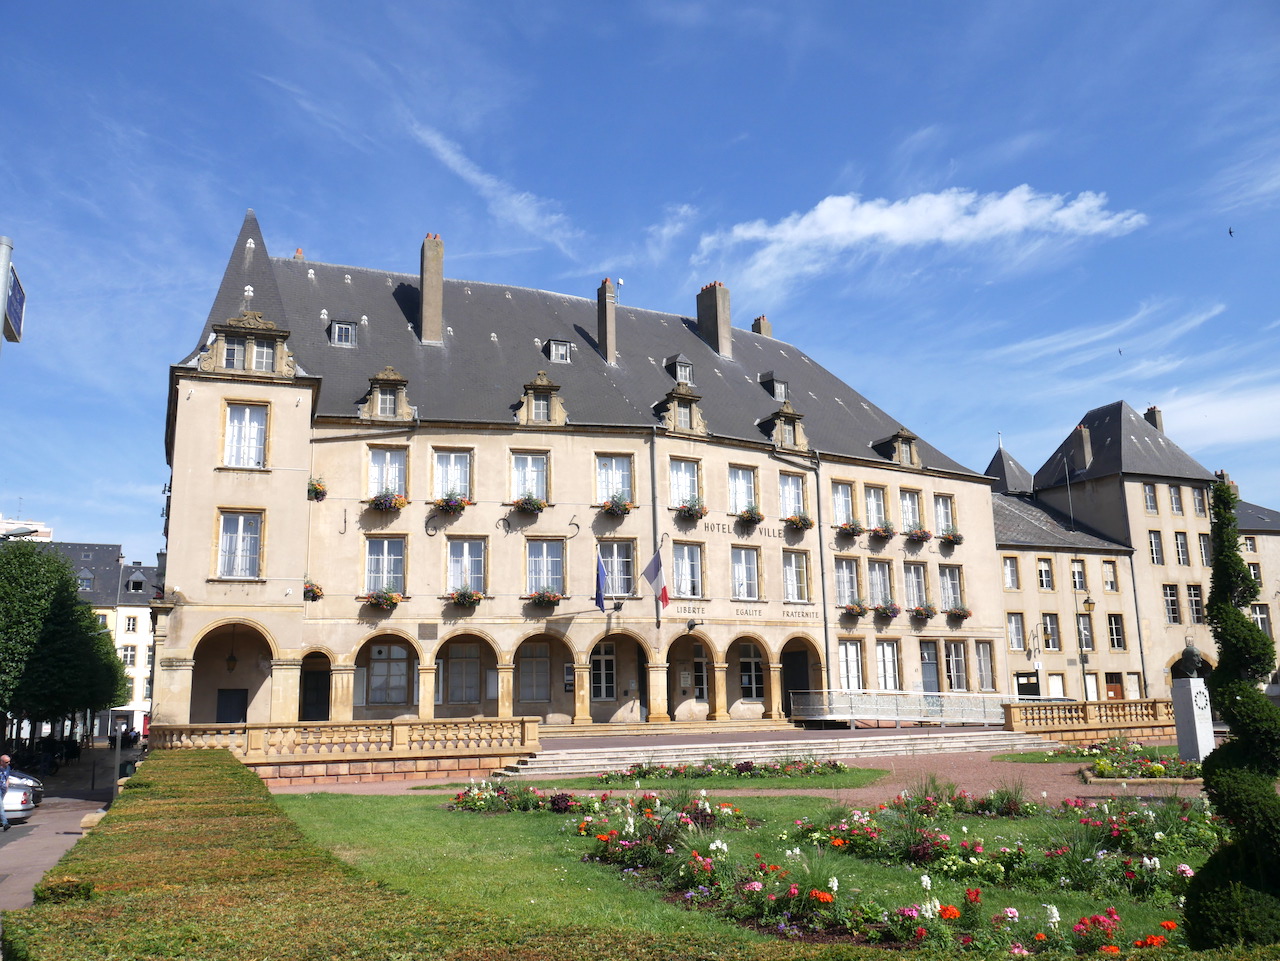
[900,706]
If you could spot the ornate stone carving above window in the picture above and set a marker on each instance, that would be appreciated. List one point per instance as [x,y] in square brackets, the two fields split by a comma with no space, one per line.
[680,411]
[784,428]
[387,398]
[249,346]
[541,405]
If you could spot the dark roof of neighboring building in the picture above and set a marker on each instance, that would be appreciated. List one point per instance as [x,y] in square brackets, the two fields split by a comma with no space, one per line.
[1021,521]
[110,578]
[495,342]
[1123,442]
[1254,517]
[1009,474]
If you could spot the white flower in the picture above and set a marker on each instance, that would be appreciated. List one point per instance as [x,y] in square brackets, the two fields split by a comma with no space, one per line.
[1044,795]
[793,854]
[703,792]
[1159,835]
[1051,915]
[926,882]
[719,845]
[964,829]
[833,884]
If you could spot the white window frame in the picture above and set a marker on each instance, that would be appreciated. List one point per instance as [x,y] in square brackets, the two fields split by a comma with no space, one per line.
[264,355]
[534,672]
[388,470]
[245,444]
[558,351]
[1206,549]
[1115,632]
[540,407]
[873,498]
[686,562]
[1012,576]
[846,580]
[909,508]
[466,564]
[790,495]
[529,474]
[1195,603]
[957,666]
[914,584]
[1149,500]
[388,676]
[944,511]
[544,565]
[619,562]
[950,586]
[1110,577]
[983,656]
[751,672]
[604,672]
[462,665]
[342,334]
[1175,499]
[452,473]
[1051,632]
[384,564]
[1172,604]
[1182,549]
[129,655]
[1079,579]
[879,582]
[1199,501]
[841,502]
[887,672]
[1260,614]
[240,544]
[388,401]
[1044,573]
[1155,541]
[851,677]
[1084,631]
[131,624]
[613,476]
[1016,630]
[795,576]
[234,351]
[742,488]
[683,479]
[745,562]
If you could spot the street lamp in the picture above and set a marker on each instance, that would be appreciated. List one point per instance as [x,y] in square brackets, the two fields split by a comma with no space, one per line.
[1089,604]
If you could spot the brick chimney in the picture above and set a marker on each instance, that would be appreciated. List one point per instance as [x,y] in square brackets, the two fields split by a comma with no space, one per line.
[762,326]
[607,321]
[1226,479]
[1081,448]
[713,318]
[431,316]
[1154,418]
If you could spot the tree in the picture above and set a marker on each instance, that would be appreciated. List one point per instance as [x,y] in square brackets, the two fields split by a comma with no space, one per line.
[1235,899]
[28,575]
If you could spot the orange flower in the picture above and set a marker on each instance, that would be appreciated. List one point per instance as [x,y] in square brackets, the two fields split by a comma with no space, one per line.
[823,897]
[1169,925]
[949,912]
[1040,936]
[1109,949]
[838,842]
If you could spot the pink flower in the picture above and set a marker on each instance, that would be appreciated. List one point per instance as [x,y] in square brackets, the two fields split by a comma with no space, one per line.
[795,890]
[752,886]
[1017,948]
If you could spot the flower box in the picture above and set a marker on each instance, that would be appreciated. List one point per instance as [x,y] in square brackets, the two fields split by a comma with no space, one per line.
[922,611]
[799,522]
[451,503]
[388,500]
[545,598]
[882,531]
[951,536]
[692,510]
[383,600]
[465,597]
[311,592]
[617,506]
[889,610]
[316,489]
[918,534]
[856,609]
[751,515]
[850,529]
[959,613]
[529,504]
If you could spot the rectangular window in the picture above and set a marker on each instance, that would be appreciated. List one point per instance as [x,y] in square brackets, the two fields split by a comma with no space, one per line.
[1014,627]
[453,473]
[264,355]
[386,470]
[949,586]
[342,335]
[1084,631]
[388,674]
[684,372]
[699,672]
[846,580]
[944,512]
[874,497]
[1044,573]
[1052,636]
[789,431]
[684,481]
[1195,603]
[131,625]
[1012,579]
[746,584]
[1110,578]
[687,562]
[887,665]
[534,660]
[1156,542]
[1206,550]
[742,489]
[909,502]
[387,406]
[751,667]
[851,665]
[684,415]
[1149,498]
[462,664]
[528,475]
[780,392]
[604,672]
[613,476]
[558,351]
[1250,544]
[1198,499]
[986,667]
[790,494]
[239,544]
[466,564]
[1255,571]
[842,502]
[880,582]
[1078,581]
[1172,609]
[129,654]
[914,584]
[246,438]
[544,566]
[102,619]
[384,564]
[233,351]
[540,407]
[795,576]
[1261,617]
[1115,631]
[1175,498]
[619,568]
[957,666]
[1181,549]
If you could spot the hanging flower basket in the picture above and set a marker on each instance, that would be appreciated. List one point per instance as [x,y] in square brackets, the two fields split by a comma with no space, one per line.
[316,489]
[388,500]
[465,598]
[951,536]
[529,504]
[922,611]
[751,515]
[959,613]
[918,534]
[691,510]
[617,506]
[889,610]
[383,599]
[856,609]
[312,592]
[545,598]
[882,531]
[799,522]
[850,529]
[451,503]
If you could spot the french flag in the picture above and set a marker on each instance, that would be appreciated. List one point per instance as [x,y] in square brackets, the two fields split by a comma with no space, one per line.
[653,574]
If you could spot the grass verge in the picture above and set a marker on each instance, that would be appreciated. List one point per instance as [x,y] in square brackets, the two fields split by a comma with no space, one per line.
[849,778]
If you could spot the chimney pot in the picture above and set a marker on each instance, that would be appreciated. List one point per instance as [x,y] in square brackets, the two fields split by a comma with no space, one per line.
[431,311]
[1155,418]
[762,326]
[297,254]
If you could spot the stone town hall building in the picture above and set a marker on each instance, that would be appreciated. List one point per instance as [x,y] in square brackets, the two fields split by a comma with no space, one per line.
[580,438]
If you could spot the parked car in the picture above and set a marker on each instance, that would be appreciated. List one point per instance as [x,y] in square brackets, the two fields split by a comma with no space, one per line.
[20,800]
[21,779]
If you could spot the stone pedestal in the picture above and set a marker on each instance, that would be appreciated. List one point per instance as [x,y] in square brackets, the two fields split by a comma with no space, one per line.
[1193,718]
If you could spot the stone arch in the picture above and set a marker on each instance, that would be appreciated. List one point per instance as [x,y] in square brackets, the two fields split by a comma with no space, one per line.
[618,678]
[386,677]
[231,674]
[748,676]
[543,677]
[691,677]
[314,686]
[801,668]
[466,673]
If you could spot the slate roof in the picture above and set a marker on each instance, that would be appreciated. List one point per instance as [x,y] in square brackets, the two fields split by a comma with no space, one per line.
[1009,474]
[1021,521]
[1123,442]
[1255,518]
[495,342]
[111,578]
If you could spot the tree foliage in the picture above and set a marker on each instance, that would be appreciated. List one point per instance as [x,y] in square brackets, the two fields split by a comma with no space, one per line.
[1235,899]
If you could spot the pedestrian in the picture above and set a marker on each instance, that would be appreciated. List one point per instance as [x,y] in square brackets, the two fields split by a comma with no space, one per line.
[4,788]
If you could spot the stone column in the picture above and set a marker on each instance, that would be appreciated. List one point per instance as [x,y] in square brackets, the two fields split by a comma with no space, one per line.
[506,690]
[286,686]
[426,691]
[172,703]
[720,691]
[658,693]
[773,707]
[342,680]
[581,693]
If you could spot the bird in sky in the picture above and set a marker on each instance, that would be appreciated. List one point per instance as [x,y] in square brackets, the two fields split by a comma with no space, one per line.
[1230,232]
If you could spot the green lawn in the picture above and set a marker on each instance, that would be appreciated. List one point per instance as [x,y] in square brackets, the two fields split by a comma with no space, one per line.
[852,777]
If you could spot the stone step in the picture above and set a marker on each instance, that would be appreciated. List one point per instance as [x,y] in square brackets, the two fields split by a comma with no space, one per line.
[589,761]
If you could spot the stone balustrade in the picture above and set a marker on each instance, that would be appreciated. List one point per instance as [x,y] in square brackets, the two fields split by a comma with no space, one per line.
[1076,722]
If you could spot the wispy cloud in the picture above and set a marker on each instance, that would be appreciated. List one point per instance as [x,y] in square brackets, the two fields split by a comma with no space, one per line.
[813,242]
[1253,181]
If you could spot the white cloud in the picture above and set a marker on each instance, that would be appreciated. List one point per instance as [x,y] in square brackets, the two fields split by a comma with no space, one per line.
[1217,417]
[804,244]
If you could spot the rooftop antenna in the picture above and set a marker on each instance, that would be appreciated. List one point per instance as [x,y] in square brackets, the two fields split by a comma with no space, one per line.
[1000,439]
[620,283]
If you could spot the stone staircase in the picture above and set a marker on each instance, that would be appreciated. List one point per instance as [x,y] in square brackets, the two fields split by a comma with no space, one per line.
[594,760]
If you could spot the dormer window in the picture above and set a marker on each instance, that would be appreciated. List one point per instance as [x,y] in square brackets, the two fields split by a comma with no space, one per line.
[684,372]
[264,355]
[387,398]
[780,391]
[136,586]
[540,407]
[541,403]
[904,450]
[684,415]
[342,335]
[84,581]
[233,353]
[783,427]
[899,447]
[387,401]
[249,343]
[558,351]
[789,432]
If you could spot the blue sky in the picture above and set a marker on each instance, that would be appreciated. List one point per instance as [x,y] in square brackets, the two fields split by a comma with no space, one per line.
[986,217]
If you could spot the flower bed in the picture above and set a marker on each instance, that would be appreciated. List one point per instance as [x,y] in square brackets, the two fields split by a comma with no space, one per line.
[1120,758]
[780,767]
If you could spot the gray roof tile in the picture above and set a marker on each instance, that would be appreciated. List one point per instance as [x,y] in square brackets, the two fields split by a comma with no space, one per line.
[1021,521]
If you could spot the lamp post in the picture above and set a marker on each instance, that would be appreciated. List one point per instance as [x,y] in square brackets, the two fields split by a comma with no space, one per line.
[115,783]
[1088,604]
